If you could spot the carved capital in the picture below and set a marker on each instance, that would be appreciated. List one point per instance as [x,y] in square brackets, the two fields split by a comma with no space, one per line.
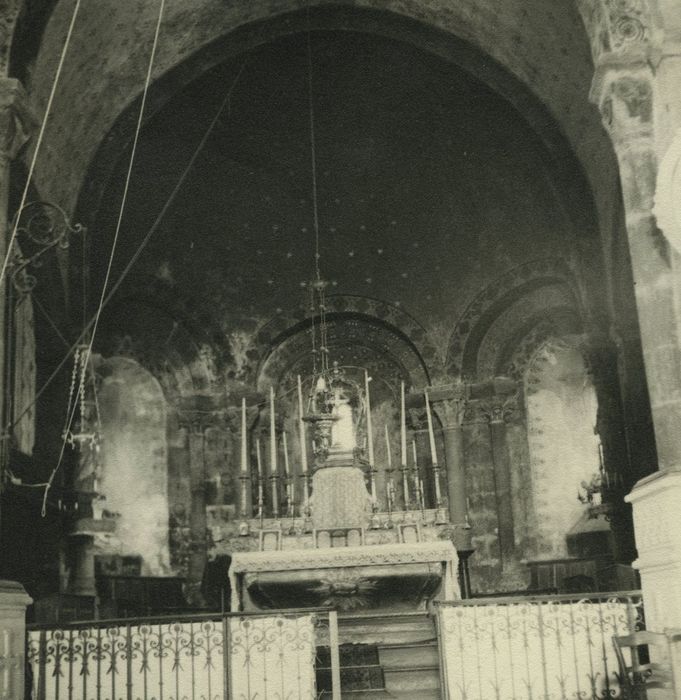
[499,408]
[452,412]
[617,29]
[16,122]
[625,99]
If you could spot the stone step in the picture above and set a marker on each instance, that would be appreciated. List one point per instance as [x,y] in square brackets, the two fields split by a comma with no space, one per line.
[412,679]
[416,654]
[386,629]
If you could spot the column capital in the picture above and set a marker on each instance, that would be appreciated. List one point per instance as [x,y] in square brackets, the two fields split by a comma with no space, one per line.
[16,122]
[450,403]
[618,30]
[498,408]
[624,96]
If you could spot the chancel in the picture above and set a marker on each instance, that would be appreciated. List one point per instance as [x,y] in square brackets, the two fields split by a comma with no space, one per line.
[340,349]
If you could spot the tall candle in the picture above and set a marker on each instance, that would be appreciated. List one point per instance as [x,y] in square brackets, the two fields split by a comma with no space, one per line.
[403,429]
[244,438]
[273,435]
[370,432]
[301,427]
[413,446]
[258,457]
[431,434]
[387,448]
[286,465]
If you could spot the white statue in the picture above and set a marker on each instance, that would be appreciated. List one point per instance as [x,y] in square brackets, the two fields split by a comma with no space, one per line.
[343,429]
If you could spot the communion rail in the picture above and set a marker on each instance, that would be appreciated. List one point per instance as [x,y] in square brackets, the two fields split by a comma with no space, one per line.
[550,647]
[204,657]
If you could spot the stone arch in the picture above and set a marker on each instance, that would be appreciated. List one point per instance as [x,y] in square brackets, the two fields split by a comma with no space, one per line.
[484,335]
[346,330]
[466,35]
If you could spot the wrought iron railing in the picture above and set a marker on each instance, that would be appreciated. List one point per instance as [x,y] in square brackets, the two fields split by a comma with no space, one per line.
[549,647]
[204,657]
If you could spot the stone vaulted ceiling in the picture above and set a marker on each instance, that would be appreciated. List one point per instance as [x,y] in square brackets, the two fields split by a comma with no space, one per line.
[450,143]
[429,185]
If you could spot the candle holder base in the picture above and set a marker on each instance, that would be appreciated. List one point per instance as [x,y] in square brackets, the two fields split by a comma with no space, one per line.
[244,529]
[440,516]
[375,522]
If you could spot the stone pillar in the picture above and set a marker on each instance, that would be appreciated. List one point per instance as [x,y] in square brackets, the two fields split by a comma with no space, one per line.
[657,521]
[14,123]
[13,604]
[624,87]
[496,410]
[450,406]
[197,513]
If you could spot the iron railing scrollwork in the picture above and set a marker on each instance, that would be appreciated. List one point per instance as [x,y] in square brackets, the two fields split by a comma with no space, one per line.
[557,647]
[238,656]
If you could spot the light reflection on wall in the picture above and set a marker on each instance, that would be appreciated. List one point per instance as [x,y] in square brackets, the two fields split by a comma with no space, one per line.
[561,415]
[134,472]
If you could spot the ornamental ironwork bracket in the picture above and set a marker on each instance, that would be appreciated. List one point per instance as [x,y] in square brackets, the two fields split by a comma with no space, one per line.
[40,227]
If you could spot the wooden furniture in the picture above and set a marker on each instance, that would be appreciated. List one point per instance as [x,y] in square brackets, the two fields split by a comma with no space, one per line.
[643,674]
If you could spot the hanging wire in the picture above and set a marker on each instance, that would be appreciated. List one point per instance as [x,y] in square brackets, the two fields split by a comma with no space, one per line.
[318,294]
[126,188]
[226,103]
[39,140]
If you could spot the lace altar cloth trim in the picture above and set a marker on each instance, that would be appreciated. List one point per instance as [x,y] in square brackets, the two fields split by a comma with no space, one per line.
[329,557]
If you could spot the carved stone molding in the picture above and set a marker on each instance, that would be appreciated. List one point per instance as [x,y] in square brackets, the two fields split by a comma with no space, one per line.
[667,207]
[9,11]
[625,98]
[452,412]
[617,28]
[16,122]
[498,408]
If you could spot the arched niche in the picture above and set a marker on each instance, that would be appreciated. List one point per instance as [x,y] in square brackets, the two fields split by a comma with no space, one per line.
[133,472]
[357,343]
[561,408]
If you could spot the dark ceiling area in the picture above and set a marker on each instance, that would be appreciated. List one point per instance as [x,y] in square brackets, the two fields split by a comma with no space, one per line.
[429,185]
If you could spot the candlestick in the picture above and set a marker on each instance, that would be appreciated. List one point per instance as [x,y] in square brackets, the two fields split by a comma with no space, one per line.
[273,435]
[287,472]
[244,438]
[431,434]
[387,449]
[261,499]
[403,429]
[303,452]
[370,432]
[285,447]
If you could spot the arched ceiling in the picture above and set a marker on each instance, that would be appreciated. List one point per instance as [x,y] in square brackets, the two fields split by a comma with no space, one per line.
[430,186]
[541,44]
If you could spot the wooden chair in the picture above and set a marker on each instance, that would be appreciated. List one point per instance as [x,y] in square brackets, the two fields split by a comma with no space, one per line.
[638,677]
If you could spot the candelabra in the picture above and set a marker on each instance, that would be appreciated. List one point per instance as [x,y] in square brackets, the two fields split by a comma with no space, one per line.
[244,528]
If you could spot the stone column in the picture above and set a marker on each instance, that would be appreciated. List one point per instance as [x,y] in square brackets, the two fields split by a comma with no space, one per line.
[497,409]
[657,518]
[197,512]
[13,603]
[450,406]
[14,124]
[624,87]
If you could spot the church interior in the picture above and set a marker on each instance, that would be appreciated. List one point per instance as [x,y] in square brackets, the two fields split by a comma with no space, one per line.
[391,282]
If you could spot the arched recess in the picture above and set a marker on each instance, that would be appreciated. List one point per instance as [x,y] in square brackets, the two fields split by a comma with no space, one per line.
[496,321]
[133,473]
[357,343]
[561,408]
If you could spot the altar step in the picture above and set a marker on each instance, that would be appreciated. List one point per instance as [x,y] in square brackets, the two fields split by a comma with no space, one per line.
[407,654]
